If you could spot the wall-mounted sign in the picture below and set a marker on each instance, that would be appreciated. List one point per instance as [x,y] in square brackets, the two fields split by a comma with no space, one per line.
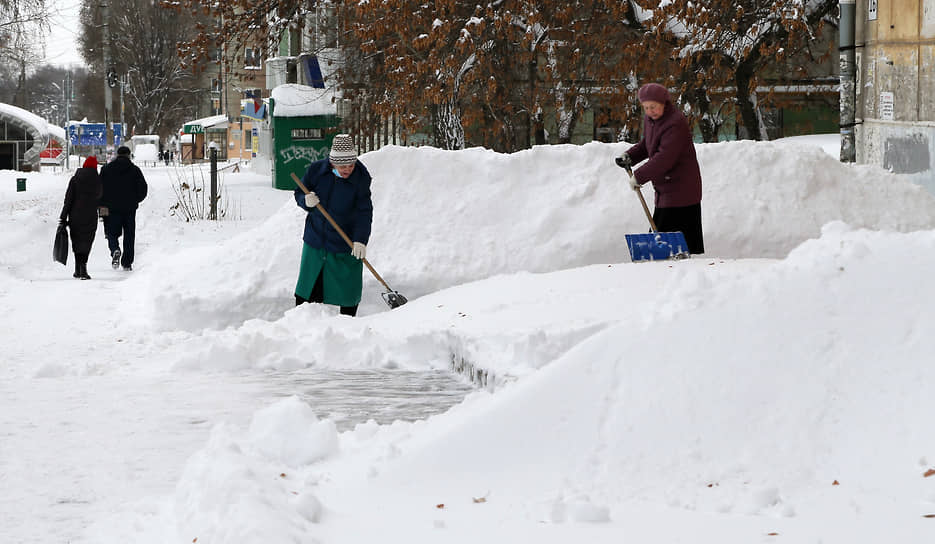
[886,106]
[871,10]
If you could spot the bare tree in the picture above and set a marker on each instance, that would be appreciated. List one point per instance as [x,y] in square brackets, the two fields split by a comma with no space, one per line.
[143,48]
[737,45]
[20,22]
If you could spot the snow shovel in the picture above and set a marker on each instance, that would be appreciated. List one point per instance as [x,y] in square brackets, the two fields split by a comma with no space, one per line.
[392,298]
[655,245]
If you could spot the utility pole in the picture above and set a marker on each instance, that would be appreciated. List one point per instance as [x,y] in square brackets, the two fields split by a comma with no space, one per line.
[848,86]
[66,91]
[108,97]
[123,127]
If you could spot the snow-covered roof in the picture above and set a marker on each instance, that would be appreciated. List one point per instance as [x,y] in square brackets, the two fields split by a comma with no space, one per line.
[293,100]
[216,121]
[30,121]
[56,133]
[35,126]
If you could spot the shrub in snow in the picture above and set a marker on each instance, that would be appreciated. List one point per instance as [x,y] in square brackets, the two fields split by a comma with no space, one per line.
[193,194]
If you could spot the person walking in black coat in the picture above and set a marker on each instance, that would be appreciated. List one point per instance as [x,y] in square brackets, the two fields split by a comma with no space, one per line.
[80,213]
[124,189]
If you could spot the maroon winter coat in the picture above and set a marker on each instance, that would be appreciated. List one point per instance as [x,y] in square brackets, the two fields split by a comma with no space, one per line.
[672,165]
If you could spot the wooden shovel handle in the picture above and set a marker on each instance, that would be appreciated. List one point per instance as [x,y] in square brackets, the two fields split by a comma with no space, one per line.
[337,228]
[652,224]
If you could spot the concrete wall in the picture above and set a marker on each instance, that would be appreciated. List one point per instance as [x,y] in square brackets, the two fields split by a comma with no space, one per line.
[896,85]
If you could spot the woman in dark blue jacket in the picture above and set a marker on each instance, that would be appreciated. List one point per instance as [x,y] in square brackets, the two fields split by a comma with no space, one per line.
[331,272]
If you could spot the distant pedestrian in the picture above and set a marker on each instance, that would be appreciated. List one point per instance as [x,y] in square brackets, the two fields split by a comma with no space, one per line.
[80,213]
[124,189]
[672,166]
[330,271]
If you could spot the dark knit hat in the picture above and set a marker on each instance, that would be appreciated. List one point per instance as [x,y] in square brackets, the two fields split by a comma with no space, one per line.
[654,92]
[123,150]
[342,150]
[90,162]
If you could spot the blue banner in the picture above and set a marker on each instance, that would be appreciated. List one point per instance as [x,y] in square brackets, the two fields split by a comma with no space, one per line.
[88,134]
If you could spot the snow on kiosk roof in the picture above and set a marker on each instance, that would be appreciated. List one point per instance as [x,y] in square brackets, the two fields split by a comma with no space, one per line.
[215,121]
[294,100]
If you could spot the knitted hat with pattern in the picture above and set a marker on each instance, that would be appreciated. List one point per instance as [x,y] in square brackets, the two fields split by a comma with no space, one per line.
[342,150]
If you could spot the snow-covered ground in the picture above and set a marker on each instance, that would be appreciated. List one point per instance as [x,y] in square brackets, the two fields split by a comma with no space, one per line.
[776,389]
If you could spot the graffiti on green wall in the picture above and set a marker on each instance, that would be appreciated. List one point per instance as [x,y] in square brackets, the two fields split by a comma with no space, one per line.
[306,154]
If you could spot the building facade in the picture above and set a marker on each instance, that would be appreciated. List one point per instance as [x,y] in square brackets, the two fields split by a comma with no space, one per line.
[895,105]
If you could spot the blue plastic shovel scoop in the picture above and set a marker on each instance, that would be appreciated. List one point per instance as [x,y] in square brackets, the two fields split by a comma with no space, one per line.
[655,245]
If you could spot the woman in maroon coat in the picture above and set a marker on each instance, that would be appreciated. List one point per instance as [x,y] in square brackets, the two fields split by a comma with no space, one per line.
[80,213]
[671,166]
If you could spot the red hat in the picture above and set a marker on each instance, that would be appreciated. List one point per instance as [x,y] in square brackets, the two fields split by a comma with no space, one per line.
[654,92]
[90,162]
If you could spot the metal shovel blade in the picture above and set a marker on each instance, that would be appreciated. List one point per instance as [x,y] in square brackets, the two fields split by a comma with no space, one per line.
[657,246]
[394,299]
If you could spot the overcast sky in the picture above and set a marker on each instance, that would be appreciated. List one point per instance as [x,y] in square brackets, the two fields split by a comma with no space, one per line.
[61,47]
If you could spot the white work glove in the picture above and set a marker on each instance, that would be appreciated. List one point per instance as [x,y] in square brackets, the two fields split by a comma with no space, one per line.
[359,250]
[634,184]
[311,200]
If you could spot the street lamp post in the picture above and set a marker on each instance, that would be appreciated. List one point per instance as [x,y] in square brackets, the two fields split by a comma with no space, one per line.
[213,147]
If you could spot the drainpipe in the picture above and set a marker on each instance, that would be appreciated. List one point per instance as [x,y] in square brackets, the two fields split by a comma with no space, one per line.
[848,76]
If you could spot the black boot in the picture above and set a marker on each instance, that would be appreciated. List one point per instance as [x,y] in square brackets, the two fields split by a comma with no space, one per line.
[83,274]
[77,273]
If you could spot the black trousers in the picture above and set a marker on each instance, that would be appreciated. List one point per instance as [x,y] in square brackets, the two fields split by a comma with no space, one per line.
[318,295]
[121,222]
[686,219]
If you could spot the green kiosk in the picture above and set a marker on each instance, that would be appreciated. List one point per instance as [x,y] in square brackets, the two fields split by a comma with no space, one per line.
[303,122]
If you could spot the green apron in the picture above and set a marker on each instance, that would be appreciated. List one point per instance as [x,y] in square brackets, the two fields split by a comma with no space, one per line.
[342,280]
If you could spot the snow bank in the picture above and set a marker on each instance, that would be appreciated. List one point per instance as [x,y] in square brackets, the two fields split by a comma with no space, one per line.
[764,399]
[446,218]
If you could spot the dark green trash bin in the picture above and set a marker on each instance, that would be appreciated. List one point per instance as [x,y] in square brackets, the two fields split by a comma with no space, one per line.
[20,185]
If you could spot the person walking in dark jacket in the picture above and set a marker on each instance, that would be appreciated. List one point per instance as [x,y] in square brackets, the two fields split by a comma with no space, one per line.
[124,189]
[330,271]
[80,213]
[672,166]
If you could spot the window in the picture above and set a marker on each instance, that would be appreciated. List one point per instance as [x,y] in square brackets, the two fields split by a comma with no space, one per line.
[215,85]
[215,106]
[307,134]
[251,59]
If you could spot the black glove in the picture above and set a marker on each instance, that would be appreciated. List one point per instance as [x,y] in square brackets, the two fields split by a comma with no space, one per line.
[624,161]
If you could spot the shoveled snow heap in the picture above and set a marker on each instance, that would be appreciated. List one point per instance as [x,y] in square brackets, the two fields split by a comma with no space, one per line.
[444,218]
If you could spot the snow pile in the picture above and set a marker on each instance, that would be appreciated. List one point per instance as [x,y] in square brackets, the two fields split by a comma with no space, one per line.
[290,433]
[754,415]
[445,218]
